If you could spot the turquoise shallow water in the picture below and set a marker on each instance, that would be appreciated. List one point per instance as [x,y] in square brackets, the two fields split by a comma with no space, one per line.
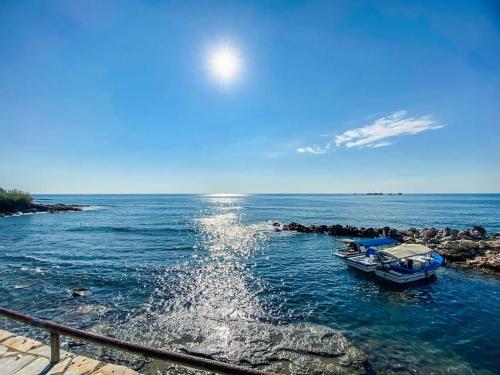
[151,257]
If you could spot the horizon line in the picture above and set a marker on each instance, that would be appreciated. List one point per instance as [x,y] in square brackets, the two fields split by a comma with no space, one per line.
[276,193]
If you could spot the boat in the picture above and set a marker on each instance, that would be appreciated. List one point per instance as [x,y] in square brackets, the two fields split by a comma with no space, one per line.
[367,262]
[409,263]
[359,247]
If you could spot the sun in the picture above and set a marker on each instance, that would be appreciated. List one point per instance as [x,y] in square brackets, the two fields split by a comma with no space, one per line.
[225,64]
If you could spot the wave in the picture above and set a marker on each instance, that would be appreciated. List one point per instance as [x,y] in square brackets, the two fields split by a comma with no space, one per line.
[93,208]
[26,214]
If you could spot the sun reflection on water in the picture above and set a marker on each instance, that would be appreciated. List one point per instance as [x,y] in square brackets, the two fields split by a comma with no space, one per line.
[195,300]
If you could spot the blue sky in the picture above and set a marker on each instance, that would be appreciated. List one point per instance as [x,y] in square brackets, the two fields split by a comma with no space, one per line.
[116,97]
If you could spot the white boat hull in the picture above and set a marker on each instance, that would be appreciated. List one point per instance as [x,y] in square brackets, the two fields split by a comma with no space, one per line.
[362,265]
[342,254]
[402,278]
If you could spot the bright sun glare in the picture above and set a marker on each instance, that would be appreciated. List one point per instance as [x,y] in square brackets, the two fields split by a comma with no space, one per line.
[224,64]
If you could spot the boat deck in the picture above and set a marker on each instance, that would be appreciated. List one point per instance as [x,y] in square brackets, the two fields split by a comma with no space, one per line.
[20,355]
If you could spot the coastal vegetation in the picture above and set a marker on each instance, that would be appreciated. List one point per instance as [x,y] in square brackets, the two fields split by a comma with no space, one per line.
[14,201]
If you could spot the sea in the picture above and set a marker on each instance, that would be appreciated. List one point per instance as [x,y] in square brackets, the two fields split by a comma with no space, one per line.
[148,259]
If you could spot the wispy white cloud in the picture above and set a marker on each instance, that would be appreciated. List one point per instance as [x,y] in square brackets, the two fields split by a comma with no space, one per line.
[311,150]
[381,144]
[397,124]
[380,133]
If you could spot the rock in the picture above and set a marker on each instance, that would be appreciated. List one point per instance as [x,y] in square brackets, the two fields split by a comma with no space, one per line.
[465,235]
[336,230]
[434,241]
[495,243]
[490,261]
[445,232]
[50,208]
[479,229]
[448,238]
[80,292]
[483,244]
[322,229]
[411,233]
[451,245]
[300,348]
[394,234]
[428,233]
[467,245]
[351,231]
[371,232]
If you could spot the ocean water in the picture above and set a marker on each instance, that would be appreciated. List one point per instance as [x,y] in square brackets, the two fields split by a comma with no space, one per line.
[156,264]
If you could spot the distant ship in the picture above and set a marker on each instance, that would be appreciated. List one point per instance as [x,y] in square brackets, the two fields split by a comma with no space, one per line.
[378,193]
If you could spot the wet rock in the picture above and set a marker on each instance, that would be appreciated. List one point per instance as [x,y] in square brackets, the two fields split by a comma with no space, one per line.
[49,208]
[80,292]
[322,229]
[479,229]
[336,230]
[369,232]
[301,348]
[75,344]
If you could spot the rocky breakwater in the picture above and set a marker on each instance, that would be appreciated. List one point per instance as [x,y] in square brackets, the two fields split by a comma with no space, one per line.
[471,247]
[37,207]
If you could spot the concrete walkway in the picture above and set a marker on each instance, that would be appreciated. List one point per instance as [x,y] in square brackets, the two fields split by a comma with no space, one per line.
[20,355]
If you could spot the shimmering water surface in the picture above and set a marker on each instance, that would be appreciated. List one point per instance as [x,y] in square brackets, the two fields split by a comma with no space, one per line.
[157,265]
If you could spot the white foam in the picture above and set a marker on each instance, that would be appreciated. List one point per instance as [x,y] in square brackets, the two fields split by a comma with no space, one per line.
[92,208]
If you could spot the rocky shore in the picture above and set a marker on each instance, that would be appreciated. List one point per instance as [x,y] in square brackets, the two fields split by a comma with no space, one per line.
[293,349]
[37,207]
[471,247]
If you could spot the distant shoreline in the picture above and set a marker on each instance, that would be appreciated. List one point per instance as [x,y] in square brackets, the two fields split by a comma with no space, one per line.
[16,202]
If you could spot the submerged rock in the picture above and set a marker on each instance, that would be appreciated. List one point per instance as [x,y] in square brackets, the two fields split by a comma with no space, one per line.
[289,349]
[299,348]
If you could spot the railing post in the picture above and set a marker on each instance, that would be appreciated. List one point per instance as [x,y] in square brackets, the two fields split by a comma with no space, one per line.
[55,342]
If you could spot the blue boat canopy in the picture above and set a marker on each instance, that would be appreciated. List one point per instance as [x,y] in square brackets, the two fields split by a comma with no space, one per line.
[379,241]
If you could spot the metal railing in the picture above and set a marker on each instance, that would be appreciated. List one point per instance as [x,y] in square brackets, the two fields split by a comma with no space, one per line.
[58,330]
